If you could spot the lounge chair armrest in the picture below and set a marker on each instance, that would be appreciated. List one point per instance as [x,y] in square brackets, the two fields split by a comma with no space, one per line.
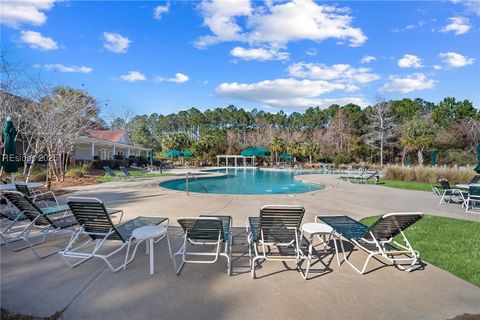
[115,211]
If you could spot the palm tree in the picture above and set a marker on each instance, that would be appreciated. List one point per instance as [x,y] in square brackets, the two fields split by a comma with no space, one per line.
[277,145]
[309,148]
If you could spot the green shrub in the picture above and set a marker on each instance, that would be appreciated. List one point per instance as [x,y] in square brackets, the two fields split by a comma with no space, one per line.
[77,172]
[427,174]
[342,158]
[458,156]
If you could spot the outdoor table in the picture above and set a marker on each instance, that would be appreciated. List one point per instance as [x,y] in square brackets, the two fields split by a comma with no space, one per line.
[11,186]
[315,228]
[148,234]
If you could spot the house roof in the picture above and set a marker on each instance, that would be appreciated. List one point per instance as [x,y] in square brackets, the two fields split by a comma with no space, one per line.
[108,135]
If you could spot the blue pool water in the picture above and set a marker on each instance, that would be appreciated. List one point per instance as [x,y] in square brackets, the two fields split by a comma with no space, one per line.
[245,181]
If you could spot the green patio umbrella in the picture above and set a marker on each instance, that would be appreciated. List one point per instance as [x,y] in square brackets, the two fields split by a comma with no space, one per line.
[10,161]
[433,157]
[408,160]
[255,151]
[151,156]
[477,168]
[186,153]
[173,153]
[285,156]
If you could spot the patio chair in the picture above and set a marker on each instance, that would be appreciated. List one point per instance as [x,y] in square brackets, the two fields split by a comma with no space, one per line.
[277,225]
[125,172]
[44,220]
[362,173]
[109,172]
[475,180]
[366,177]
[36,196]
[445,190]
[473,199]
[207,230]
[376,239]
[96,223]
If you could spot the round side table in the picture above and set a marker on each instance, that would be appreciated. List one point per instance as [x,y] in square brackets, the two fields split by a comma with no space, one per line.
[148,234]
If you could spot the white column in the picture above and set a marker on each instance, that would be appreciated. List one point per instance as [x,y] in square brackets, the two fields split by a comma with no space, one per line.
[236,162]
[93,149]
[218,161]
[113,152]
[244,162]
[128,152]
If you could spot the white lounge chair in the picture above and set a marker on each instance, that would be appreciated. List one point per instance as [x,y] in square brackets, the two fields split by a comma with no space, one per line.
[473,199]
[277,225]
[40,222]
[205,230]
[96,223]
[376,239]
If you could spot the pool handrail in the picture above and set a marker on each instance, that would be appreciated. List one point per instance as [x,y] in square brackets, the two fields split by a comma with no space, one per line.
[193,176]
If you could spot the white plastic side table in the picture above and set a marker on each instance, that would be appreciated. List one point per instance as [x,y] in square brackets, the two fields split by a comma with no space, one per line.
[314,228]
[148,234]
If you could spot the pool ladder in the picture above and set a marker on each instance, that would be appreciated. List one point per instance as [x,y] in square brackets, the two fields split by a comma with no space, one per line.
[189,174]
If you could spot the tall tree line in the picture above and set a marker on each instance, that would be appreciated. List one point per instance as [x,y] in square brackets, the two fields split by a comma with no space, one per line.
[386,132]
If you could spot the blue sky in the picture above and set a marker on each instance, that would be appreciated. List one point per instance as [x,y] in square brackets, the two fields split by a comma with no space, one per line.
[167,56]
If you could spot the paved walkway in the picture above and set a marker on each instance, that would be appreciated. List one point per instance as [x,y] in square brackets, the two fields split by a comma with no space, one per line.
[90,291]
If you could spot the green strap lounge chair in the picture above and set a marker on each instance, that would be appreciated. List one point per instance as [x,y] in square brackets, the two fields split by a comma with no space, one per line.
[40,222]
[473,199]
[277,225]
[449,194]
[475,180]
[362,173]
[376,239]
[207,230]
[366,177]
[36,196]
[109,172]
[96,223]
[125,172]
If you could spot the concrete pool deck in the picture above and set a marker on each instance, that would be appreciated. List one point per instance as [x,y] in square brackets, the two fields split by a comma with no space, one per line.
[90,291]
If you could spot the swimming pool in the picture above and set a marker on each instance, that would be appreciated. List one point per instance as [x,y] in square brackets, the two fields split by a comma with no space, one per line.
[245,181]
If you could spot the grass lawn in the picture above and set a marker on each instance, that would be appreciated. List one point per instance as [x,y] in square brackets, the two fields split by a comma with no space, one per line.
[400,184]
[410,185]
[134,173]
[450,244]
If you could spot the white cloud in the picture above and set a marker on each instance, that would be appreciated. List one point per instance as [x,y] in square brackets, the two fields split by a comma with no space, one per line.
[287,93]
[437,67]
[115,42]
[36,40]
[16,13]
[455,60]
[219,16]
[336,72]
[133,76]
[261,54]
[419,24]
[311,52]
[409,83]
[410,61]
[178,78]
[367,59]
[472,6]
[276,24]
[67,69]
[459,25]
[160,10]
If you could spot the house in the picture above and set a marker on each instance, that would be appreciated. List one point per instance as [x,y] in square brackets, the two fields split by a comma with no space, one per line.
[106,144]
